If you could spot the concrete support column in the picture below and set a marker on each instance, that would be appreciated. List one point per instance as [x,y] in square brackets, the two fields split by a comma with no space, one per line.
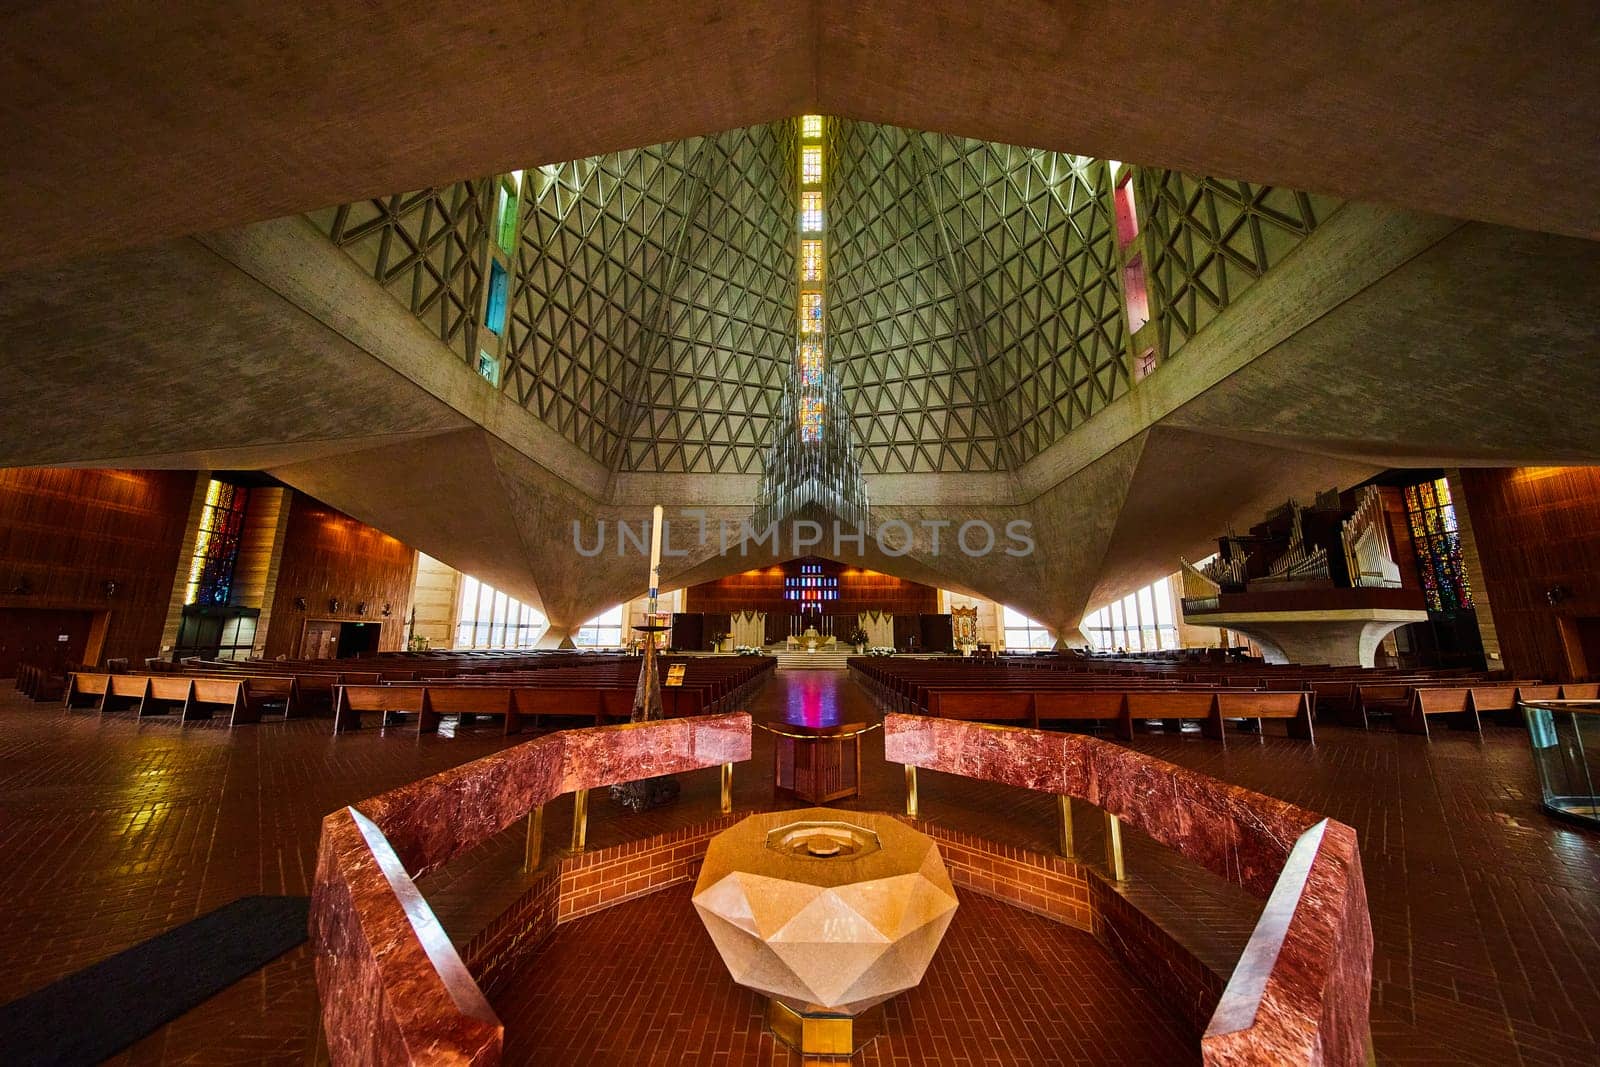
[1470,560]
[180,579]
[557,636]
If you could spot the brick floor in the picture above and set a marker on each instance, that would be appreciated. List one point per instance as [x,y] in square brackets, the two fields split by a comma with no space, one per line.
[640,983]
[1486,913]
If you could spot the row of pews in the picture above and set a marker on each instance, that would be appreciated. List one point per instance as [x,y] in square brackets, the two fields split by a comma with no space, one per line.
[1039,696]
[40,683]
[595,693]
[1046,691]
[518,689]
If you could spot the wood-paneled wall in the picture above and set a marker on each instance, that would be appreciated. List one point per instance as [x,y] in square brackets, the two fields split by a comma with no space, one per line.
[65,533]
[1405,548]
[328,555]
[1538,528]
[859,590]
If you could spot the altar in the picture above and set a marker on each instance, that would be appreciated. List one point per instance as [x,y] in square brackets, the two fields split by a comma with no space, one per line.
[810,640]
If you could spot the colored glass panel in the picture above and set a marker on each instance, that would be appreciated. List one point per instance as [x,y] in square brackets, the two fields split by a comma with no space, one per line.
[811,212]
[811,363]
[811,419]
[811,164]
[216,546]
[1437,539]
[499,291]
[506,205]
[811,261]
[810,126]
[810,312]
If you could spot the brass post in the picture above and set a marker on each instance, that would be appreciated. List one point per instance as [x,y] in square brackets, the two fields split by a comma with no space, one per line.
[911,791]
[1064,806]
[580,819]
[1114,847]
[727,788]
[531,851]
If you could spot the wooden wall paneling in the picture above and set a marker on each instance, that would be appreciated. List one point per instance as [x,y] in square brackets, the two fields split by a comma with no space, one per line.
[689,631]
[1537,531]
[65,533]
[859,590]
[937,633]
[328,555]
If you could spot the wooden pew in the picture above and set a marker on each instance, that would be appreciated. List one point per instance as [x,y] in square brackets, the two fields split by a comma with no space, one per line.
[38,683]
[984,705]
[466,701]
[1538,692]
[1178,705]
[530,702]
[1438,700]
[351,700]
[85,685]
[260,691]
[164,691]
[1369,698]
[1085,704]
[128,689]
[1295,707]
[1499,698]
[239,696]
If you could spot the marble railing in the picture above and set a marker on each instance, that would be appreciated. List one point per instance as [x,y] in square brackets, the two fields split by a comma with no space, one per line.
[1300,993]
[393,989]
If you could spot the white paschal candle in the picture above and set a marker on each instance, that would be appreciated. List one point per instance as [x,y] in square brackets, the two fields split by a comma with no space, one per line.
[655,552]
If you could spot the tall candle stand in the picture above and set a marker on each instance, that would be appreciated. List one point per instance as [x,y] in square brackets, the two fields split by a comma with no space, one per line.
[647,704]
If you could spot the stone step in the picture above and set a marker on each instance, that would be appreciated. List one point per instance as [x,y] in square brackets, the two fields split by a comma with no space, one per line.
[819,660]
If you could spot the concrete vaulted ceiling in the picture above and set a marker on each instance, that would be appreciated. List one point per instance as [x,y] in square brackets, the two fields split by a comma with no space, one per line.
[271,347]
[975,307]
[122,129]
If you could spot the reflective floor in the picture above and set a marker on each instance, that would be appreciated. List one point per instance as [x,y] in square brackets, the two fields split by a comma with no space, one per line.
[640,983]
[1486,910]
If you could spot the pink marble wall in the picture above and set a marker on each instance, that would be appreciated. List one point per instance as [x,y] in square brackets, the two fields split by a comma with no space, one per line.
[393,988]
[1302,990]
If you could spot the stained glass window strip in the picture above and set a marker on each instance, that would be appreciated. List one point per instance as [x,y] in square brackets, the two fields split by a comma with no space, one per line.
[811,312]
[499,291]
[506,205]
[811,261]
[1437,540]
[811,127]
[811,165]
[811,585]
[811,212]
[811,419]
[811,363]
[216,545]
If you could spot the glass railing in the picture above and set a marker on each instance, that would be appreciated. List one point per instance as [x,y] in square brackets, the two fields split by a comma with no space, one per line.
[1565,736]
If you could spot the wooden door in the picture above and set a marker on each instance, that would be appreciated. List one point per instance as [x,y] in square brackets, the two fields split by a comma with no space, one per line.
[320,639]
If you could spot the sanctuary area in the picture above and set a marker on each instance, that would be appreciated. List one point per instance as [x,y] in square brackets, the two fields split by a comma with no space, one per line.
[714,534]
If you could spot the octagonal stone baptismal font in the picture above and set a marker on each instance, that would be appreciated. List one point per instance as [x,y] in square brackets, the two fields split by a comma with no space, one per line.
[829,914]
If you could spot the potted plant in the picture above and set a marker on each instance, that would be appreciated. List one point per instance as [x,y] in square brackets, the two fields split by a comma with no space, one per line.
[719,639]
[858,637]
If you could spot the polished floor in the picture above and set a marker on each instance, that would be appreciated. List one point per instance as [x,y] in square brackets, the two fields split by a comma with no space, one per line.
[1486,913]
[640,983]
